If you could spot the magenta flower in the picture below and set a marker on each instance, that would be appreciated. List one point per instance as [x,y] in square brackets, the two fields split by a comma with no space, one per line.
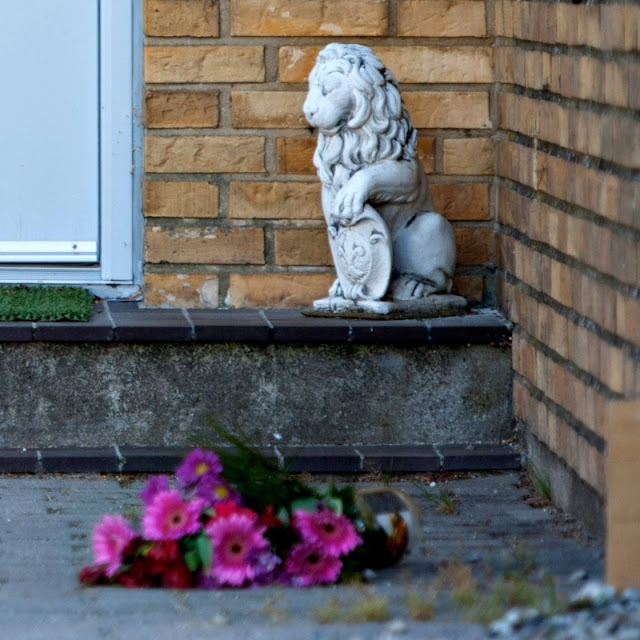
[309,563]
[335,533]
[154,485]
[169,517]
[239,549]
[110,538]
[196,465]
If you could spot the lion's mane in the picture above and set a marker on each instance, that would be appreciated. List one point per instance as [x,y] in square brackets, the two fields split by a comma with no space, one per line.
[378,127]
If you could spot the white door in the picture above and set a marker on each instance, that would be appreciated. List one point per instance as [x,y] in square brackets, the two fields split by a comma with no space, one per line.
[66,141]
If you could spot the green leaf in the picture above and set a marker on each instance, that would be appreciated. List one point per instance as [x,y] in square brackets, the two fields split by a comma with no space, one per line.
[335,504]
[305,504]
[192,560]
[204,548]
[283,516]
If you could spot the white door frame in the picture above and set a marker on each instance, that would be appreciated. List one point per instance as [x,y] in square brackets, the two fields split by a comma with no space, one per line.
[119,271]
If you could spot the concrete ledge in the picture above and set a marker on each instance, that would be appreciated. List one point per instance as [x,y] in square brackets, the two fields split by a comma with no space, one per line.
[332,459]
[127,322]
[143,378]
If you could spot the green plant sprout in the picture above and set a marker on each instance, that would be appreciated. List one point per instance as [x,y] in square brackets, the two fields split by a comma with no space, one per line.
[444,500]
[419,605]
[541,481]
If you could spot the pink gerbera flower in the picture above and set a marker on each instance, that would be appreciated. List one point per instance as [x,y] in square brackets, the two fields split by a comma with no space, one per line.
[110,538]
[335,533]
[169,517]
[196,465]
[309,563]
[238,549]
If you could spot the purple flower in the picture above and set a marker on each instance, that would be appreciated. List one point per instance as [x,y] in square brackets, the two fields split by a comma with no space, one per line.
[335,533]
[169,517]
[154,485]
[309,563]
[213,490]
[197,465]
[110,538]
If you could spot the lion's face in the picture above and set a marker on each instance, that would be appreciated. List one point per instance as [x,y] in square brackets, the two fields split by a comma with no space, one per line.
[355,104]
[329,102]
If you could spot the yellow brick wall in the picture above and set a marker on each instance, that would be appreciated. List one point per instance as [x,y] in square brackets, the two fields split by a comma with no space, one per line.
[568,210]
[231,200]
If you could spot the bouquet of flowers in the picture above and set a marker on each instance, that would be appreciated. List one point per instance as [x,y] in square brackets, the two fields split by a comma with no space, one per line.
[250,523]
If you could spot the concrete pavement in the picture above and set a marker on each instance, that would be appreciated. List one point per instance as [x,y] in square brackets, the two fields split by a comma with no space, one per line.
[45,538]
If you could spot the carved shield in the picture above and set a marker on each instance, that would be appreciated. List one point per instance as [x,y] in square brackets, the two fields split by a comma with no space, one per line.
[362,255]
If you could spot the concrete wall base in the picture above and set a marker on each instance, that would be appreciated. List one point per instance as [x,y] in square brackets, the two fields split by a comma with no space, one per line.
[57,395]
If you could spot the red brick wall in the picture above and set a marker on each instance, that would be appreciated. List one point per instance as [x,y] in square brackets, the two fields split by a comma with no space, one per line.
[231,200]
[568,209]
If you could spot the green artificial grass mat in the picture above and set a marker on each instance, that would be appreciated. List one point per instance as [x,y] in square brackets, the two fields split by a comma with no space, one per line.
[45,304]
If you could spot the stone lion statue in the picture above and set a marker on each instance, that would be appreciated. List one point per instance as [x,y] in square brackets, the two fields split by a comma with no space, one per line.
[385,237]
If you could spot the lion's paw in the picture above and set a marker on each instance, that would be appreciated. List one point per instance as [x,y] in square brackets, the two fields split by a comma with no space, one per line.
[349,202]
[406,288]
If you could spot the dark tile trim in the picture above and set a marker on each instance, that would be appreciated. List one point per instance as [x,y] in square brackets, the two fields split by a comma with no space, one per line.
[127,322]
[298,459]
[16,331]
[478,457]
[18,460]
[399,458]
[78,460]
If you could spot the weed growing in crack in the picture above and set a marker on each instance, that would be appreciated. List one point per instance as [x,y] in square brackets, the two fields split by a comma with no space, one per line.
[464,588]
[369,608]
[519,563]
[419,605]
[275,613]
[506,593]
[331,611]
[541,481]
[444,500]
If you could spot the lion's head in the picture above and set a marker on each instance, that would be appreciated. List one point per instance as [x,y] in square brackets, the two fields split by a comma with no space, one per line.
[354,102]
